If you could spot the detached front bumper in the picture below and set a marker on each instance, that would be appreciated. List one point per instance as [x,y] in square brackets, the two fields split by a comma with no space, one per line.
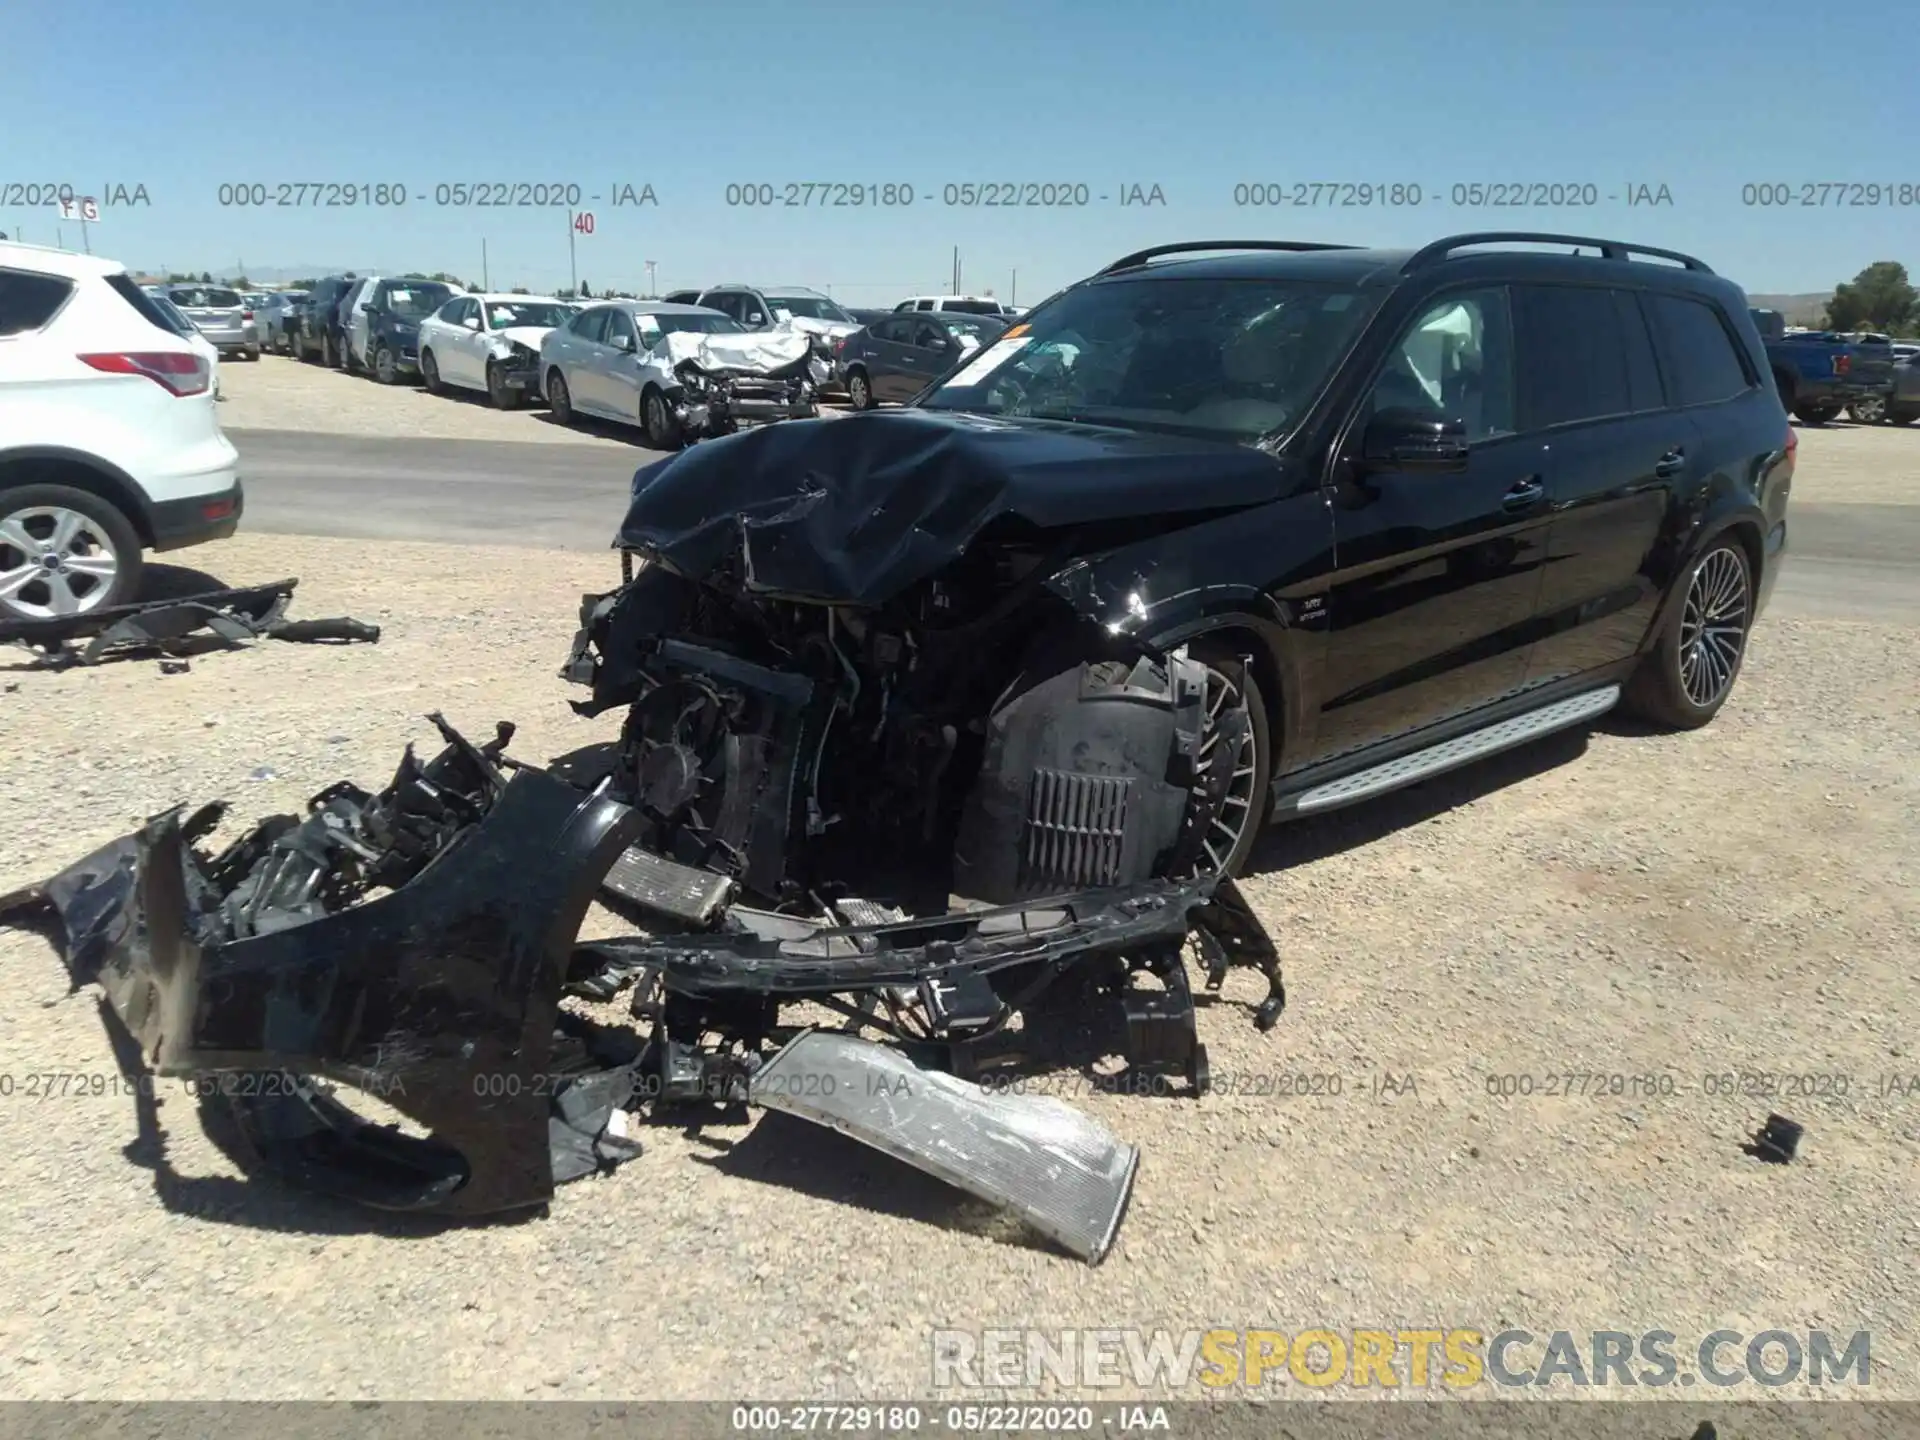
[519,373]
[438,997]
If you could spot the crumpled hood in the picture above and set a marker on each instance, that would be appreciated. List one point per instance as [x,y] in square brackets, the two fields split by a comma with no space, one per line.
[530,336]
[806,325]
[752,352]
[853,511]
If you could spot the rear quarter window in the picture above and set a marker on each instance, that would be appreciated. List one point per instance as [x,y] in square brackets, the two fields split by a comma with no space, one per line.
[153,314]
[1701,352]
[28,300]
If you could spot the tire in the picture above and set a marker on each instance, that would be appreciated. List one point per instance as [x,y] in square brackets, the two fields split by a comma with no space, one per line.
[1902,414]
[502,396]
[663,431]
[430,374]
[1814,414]
[1239,687]
[1869,409]
[102,532]
[859,390]
[1688,674]
[559,398]
[253,354]
[384,369]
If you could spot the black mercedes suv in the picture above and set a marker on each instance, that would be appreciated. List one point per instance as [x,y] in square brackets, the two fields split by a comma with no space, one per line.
[1228,532]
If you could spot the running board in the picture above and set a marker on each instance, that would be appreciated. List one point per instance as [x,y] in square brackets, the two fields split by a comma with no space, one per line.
[1450,754]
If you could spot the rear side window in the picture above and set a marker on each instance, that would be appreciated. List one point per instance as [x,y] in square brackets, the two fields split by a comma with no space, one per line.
[28,300]
[1643,370]
[1571,348]
[143,302]
[1705,360]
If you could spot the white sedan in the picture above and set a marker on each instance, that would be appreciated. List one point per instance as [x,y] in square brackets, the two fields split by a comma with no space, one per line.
[490,343]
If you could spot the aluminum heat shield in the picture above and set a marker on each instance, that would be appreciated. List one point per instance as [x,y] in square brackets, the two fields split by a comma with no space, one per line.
[1060,1171]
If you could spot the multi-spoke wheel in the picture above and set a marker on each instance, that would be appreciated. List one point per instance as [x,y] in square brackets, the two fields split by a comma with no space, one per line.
[63,552]
[1233,695]
[1685,679]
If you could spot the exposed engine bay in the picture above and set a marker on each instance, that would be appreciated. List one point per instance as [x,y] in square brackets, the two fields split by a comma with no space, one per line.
[914,786]
[713,383]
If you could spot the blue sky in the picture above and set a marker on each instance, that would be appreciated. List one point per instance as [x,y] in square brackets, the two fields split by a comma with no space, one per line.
[692,97]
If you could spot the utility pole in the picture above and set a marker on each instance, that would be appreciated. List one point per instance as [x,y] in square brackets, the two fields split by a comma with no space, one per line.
[486,281]
[956,271]
[573,265]
[1013,290]
[652,288]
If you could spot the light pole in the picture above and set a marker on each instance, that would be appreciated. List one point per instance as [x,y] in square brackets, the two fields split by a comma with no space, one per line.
[652,288]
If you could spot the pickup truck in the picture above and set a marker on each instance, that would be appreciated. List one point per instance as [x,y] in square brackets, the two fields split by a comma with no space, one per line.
[1820,373]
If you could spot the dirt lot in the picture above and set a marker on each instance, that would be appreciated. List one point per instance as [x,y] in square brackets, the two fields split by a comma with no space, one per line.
[1738,899]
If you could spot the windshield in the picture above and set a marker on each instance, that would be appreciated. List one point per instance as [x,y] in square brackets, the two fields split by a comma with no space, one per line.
[810,307]
[1220,359]
[417,301]
[548,313]
[204,297]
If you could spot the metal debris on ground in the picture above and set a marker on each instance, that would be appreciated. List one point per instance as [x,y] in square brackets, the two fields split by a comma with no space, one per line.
[419,946]
[1777,1141]
[234,617]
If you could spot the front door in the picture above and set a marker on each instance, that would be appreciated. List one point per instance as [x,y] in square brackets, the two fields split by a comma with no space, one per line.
[1437,574]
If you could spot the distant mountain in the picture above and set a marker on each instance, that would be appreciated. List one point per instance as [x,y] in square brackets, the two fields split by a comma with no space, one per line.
[1797,309]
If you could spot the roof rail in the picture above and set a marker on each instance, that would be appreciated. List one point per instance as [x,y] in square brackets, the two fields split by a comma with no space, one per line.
[1609,249]
[1140,257]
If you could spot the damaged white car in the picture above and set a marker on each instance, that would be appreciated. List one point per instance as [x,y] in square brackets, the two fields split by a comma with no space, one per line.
[490,343]
[679,372]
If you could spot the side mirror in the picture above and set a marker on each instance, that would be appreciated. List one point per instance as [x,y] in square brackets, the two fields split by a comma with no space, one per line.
[1420,440]
[624,344]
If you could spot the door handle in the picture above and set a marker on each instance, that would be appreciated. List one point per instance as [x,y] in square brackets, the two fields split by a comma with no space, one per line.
[1669,464]
[1525,494]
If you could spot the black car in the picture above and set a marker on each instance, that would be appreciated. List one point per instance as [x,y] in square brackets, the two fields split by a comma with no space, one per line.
[898,357]
[394,312]
[1218,539]
[868,317]
[321,333]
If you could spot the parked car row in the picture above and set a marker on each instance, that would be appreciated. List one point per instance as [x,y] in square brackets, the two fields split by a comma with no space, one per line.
[220,313]
[1821,373]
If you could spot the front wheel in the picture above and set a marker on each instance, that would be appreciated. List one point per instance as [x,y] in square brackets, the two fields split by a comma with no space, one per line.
[503,395]
[663,431]
[859,390]
[430,373]
[1902,414]
[559,399]
[1814,414]
[1232,691]
[1686,677]
[385,370]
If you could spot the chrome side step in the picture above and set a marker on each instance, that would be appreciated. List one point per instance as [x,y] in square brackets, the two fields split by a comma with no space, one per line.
[1450,754]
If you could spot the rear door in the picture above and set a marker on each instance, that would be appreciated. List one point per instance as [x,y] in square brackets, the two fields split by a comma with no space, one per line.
[1438,577]
[1617,453]
[888,365]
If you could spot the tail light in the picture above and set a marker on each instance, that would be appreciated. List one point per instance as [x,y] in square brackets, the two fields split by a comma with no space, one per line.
[246,314]
[181,374]
[840,345]
[1842,364]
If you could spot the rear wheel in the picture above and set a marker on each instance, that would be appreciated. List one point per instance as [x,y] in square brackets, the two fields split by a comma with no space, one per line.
[1684,680]
[859,390]
[1902,414]
[63,552]
[1869,409]
[1816,414]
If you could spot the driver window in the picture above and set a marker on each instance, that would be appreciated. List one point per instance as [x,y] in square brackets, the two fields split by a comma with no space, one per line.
[929,336]
[1456,361]
[619,327]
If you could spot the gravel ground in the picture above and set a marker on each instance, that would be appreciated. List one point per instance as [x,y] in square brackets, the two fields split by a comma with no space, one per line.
[1738,899]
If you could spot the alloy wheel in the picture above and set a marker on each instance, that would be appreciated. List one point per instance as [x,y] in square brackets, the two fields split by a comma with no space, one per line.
[1713,627]
[54,563]
[1870,409]
[1225,696]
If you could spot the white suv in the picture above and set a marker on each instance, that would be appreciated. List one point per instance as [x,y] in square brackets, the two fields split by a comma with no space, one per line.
[109,444]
